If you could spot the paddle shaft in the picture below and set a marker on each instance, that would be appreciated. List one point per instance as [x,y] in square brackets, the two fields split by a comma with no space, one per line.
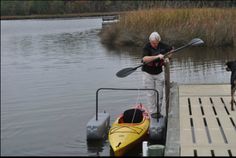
[178,49]
[165,55]
[127,71]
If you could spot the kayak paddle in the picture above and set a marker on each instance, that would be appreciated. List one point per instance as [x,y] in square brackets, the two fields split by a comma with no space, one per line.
[127,71]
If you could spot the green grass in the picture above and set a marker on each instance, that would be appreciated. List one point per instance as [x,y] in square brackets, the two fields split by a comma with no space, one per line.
[215,26]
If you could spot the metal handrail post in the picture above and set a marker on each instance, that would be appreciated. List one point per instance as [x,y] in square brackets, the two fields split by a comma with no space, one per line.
[125,89]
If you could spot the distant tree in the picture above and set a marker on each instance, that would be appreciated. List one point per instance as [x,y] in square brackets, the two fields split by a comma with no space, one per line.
[7,7]
[40,7]
[57,7]
[22,7]
[28,7]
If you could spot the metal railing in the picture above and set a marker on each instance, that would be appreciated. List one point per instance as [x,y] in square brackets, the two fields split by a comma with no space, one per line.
[129,89]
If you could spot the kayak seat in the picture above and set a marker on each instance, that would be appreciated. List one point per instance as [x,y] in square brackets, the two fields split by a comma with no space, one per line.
[128,116]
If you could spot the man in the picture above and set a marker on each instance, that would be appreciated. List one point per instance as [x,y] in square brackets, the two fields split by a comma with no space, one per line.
[152,72]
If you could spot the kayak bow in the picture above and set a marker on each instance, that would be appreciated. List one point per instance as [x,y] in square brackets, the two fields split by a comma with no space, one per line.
[129,129]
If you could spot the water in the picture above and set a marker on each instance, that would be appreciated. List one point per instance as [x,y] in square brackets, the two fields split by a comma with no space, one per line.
[50,71]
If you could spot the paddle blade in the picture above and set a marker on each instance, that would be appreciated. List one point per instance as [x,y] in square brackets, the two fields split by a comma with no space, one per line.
[125,72]
[196,42]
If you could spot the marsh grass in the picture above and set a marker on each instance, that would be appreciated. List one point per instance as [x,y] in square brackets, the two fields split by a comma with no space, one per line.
[216,26]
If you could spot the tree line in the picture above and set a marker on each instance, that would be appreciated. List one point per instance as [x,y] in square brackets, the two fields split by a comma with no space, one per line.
[39,7]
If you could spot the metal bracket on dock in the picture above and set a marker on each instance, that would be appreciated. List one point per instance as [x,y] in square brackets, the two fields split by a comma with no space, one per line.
[130,89]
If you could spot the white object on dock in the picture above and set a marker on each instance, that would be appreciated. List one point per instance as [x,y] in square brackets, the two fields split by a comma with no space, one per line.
[145,148]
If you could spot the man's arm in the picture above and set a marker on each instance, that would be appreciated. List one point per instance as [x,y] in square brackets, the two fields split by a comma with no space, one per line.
[147,59]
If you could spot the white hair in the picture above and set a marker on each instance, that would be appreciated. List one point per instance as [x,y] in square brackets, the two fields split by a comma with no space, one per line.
[154,36]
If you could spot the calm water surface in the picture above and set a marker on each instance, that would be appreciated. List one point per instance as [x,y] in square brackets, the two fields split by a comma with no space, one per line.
[50,71]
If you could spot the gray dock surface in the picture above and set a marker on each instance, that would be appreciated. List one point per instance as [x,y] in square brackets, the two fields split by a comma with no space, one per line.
[200,122]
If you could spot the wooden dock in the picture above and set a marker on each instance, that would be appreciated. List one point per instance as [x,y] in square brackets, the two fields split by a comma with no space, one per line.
[201,122]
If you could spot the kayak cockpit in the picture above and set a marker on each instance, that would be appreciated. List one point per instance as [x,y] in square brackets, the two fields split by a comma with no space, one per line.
[131,116]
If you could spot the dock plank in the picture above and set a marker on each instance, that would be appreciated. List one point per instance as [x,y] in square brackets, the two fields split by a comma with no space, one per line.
[208,106]
[204,90]
[231,136]
[185,123]
[208,111]
[183,101]
[226,123]
[201,137]
[220,151]
[198,123]
[186,138]
[216,137]
[213,130]
[203,152]
[219,106]
[187,151]
[194,102]
[211,122]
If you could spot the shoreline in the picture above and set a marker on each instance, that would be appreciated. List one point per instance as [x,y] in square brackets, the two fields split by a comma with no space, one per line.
[175,25]
[52,16]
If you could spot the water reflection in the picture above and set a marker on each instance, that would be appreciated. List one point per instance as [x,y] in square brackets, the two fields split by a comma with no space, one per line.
[135,52]
[191,65]
[201,65]
[96,146]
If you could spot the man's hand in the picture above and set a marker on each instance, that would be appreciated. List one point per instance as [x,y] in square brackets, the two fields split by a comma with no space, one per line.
[160,56]
[170,53]
[166,60]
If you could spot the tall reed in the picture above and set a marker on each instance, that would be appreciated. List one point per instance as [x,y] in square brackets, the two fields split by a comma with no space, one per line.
[216,26]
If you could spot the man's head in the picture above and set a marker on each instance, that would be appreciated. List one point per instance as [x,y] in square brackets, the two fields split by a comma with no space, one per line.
[154,39]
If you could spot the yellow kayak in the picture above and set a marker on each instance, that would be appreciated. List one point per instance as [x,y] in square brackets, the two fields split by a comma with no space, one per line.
[129,129]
